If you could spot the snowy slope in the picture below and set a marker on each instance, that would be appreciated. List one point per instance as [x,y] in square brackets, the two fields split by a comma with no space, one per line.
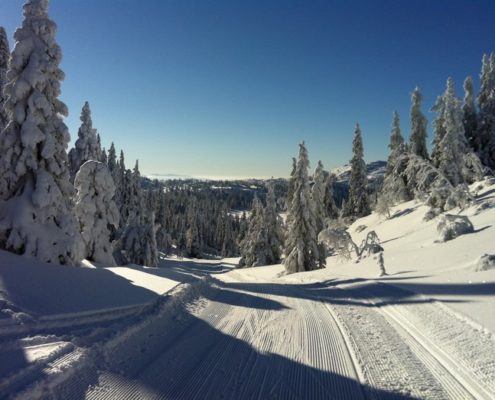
[425,331]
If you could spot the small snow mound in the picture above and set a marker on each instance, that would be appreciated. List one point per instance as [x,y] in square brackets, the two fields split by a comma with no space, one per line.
[452,226]
[485,263]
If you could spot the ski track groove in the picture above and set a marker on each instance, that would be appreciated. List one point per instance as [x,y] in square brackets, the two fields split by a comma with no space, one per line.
[238,363]
[284,342]
[387,363]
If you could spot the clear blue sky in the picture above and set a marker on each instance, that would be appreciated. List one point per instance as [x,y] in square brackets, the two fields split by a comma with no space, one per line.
[228,88]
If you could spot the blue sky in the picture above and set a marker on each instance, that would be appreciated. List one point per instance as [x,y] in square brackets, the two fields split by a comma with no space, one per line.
[228,88]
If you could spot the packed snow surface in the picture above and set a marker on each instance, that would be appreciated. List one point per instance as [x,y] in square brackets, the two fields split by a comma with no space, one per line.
[203,329]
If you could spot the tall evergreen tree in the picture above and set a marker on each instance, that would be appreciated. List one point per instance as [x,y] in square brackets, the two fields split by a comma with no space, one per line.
[452,149]
[273,226]
[104,156]
[486,116]
[438,129]
[417,139]
[96,211]
[331,210]
[394,188]
[37,216]
[301,247]
[86,146]
[112,161]
[470,116]
[357,204]
[318,195]
[396,145]
[4,63]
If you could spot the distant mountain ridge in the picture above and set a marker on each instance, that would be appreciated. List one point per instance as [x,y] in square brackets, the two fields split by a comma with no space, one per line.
[376,171]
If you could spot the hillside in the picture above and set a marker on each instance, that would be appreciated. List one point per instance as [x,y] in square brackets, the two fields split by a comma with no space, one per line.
[431,313]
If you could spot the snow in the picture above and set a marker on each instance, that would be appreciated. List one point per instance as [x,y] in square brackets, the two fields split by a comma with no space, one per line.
[203,328]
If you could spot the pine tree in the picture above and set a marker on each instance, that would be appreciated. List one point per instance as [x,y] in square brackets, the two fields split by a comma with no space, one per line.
[453,155]
[417,139]
[37,217]
[96,211]
[486,116]
[318,196]
[253,246]
[438,129]
[357,204]
[470,116]
[104,156]
[396,145]
[393,189]
[331,210]
[112,161]
[291,187]
[301,246]
[4,63]
[273,225]
[86,147]
[193,247]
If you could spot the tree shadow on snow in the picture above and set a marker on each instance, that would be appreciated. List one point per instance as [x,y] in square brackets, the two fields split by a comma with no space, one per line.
[366,293]
[200,361]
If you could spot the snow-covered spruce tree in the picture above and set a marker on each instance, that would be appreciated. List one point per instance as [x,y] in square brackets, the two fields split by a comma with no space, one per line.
[36,217]
[96,210]
[424,182]
[193,246]
[396,145]
[417,139]
[273,225]
[163,239]
[138,241]
[301,247]
[104,156]
[318,196]
[453,157]
[4,63]
[357,204]
[486,116]
[291,185]
[470,116]
[112,160]
[86,147]
[394,188]
[229,245]
[331,210]
[253,246]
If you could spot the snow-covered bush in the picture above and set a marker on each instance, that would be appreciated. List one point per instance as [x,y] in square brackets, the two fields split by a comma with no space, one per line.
[96,210]
[339,241]
[370,245]
[452,226]
[36,217]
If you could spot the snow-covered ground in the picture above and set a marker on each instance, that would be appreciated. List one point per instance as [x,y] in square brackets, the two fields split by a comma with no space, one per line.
[201,329]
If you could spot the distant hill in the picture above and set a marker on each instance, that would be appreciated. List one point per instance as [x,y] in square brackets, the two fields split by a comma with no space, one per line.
[376,173]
